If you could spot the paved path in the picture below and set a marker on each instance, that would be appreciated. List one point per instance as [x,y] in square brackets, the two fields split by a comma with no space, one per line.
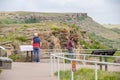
[38,71]
[27,71]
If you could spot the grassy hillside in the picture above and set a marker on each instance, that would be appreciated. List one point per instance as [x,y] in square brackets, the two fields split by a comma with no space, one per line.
[110,26]
[26,23]
[102,34]
[93,27]
[0,70]
[19,34]
[116,30]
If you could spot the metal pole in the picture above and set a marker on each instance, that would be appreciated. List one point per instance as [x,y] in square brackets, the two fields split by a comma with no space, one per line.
[64,62]
[54,65]
[58,69]
[31,56]
[100,61]
[51,60]
[72,76]
[106,67]
[27,56]
[96,77]
[84,60]
[72,73]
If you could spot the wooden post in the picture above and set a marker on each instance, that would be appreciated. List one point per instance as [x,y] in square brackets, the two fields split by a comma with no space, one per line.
[27,56]
[31,56]
[100,61]
[106,64]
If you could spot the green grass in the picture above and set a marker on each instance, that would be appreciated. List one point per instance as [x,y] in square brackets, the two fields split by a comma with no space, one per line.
[0,70]
[116,30]
[88,74]
[56,28]
[14,57]
[8,21]
[22,38]
[8,37]
[94,45]
[117,53]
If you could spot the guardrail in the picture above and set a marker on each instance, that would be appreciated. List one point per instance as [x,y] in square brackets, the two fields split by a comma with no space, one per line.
[62,56]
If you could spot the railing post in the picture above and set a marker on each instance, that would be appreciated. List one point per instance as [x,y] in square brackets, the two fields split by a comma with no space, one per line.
[100,61]
[54,65]
[58,68]
[72,73]
[106,66]
[64,61]
[84,57]
[51,60]
[96,76]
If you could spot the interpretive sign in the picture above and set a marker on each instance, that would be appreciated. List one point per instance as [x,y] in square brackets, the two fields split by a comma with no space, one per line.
[26,48]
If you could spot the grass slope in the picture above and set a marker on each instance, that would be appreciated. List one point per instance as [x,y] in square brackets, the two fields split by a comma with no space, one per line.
[88,74]
[0,70]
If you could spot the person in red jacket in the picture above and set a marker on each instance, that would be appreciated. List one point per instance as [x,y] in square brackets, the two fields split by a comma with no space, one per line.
[36,47]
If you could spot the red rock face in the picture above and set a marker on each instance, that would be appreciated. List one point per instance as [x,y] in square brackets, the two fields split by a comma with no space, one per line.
[58,39]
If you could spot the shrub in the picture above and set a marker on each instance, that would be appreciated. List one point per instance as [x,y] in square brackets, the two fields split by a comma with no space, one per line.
[56,28]
[32,20]
[22,38]
[14,57]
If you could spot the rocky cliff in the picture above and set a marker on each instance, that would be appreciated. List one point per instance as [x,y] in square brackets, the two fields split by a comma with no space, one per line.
[52,27]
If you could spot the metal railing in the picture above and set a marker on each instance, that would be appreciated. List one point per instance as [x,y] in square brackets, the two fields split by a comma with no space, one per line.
[59,56]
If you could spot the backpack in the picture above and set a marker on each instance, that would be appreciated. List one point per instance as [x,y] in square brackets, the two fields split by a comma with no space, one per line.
[36,40]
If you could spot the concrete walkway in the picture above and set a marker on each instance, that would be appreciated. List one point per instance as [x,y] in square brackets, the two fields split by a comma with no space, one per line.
[27,71]
[39,71]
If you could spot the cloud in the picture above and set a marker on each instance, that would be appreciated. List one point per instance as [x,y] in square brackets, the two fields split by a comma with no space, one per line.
[62,2]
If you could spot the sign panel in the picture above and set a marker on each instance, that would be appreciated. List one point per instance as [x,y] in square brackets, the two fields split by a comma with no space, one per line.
[73,66]
[26,48]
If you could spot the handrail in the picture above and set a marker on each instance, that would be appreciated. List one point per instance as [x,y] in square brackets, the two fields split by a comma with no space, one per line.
[86,60]
[77,54]
[62,56]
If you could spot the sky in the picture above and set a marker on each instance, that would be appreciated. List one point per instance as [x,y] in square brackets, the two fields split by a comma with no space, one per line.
[102,11]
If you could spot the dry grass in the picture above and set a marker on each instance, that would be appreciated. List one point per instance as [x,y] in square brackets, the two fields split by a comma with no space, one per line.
[112,26]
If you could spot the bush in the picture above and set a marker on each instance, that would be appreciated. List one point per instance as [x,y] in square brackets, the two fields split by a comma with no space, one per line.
[22,38]
[14,57]
[32,20]
[56,28]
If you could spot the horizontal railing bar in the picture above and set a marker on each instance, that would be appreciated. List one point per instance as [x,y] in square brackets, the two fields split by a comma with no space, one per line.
[87,55]
[118,64]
